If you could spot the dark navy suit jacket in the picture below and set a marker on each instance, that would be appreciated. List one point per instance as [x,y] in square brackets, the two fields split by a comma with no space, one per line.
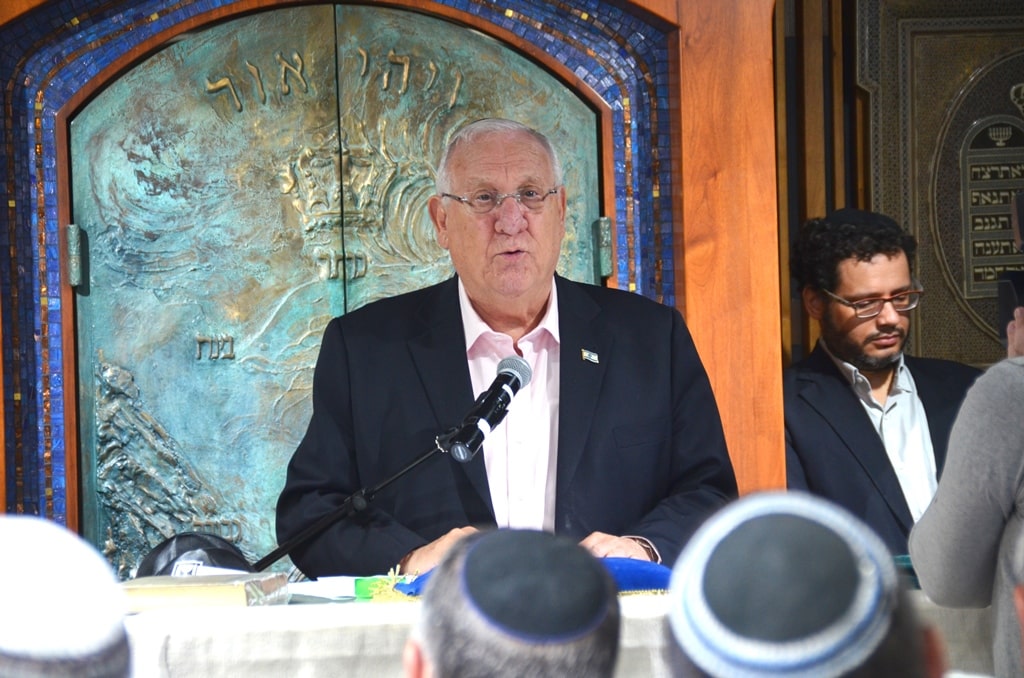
[640,447]
[833,450]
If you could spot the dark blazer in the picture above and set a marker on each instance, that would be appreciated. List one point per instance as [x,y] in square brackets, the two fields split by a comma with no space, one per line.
[640,443]
[833,450]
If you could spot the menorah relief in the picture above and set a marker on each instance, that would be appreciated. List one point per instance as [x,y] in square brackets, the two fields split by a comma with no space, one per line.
[1000,134]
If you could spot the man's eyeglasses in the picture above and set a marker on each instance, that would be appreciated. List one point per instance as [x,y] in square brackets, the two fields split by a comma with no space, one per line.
[484,201]
[869,308]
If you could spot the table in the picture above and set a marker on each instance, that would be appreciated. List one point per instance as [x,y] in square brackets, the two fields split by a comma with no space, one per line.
[358,638]
[364,638]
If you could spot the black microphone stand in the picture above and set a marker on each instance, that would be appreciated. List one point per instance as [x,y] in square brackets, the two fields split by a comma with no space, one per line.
[356,502]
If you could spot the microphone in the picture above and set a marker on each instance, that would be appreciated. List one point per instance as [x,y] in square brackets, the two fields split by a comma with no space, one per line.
[489,409]
[463,442]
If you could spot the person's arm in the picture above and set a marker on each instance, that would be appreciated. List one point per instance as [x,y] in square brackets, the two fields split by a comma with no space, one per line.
[955,545]
[602,545]
[324,471]
[702,478]
[1015,334]
[428,556]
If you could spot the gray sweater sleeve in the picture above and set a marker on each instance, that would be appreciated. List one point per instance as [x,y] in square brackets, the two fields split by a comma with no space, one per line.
[955,545]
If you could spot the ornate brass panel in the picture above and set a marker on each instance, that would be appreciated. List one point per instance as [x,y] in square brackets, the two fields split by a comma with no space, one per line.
[235,191]
[940,74]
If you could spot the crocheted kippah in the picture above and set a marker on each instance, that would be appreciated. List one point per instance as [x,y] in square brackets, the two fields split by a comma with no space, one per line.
[782,584]
[535,586]
[63,610]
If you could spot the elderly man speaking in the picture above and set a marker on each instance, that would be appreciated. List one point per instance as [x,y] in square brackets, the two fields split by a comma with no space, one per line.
[615,441]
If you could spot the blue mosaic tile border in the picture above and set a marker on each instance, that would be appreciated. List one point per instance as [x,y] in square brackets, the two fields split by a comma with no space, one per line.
[48,54]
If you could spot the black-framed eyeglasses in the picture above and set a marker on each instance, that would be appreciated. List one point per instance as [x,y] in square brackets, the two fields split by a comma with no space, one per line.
[869,308]
[484,201]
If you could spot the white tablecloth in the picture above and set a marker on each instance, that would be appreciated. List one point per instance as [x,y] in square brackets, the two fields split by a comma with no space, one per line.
[366,638]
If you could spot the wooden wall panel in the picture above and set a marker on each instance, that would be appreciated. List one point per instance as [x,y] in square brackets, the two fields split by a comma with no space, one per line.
[727,254]
[10,9]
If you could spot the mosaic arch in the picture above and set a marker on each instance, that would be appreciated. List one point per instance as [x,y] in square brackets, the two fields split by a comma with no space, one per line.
[50,54]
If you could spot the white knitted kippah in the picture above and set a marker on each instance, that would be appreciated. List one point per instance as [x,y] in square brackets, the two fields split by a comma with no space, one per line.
[782,583]
[61,599]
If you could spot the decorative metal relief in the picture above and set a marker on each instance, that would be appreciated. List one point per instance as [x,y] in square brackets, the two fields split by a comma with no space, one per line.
[932,70]
[979,168]
[992,171]
[232,193]
[408,81]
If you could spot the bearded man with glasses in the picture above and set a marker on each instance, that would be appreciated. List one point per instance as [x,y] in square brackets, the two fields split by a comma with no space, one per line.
[615,441]
[866,424]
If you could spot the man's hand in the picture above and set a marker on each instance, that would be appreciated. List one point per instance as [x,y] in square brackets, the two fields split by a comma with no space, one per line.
[1015,334]
[428,556]
[603,545]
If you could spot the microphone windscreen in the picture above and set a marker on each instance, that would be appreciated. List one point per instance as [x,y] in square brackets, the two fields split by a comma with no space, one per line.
[518,367]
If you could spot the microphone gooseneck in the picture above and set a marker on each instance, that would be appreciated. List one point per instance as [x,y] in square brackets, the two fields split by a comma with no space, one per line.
[489,409]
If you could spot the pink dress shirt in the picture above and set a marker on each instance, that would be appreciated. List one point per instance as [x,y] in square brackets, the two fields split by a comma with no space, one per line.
[521,453]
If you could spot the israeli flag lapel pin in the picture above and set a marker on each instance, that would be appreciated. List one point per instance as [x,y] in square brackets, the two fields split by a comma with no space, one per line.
[589,356]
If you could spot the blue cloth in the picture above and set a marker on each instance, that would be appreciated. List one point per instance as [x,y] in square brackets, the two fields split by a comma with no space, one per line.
[629,574]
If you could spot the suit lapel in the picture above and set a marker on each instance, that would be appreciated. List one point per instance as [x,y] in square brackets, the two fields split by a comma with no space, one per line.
[580,377]
[439,354]
[828,393]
